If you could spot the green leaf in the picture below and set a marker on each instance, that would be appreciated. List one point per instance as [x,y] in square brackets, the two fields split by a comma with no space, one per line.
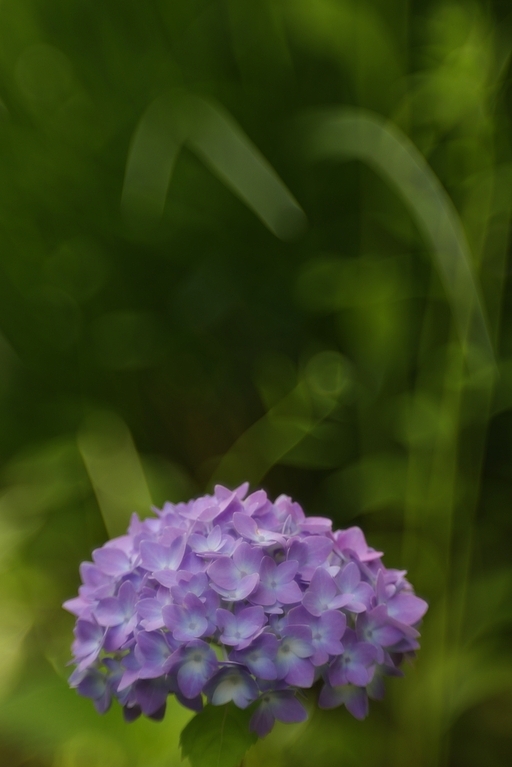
[220,142]
[114,468]
[176,119]
[349,133]
[217,737]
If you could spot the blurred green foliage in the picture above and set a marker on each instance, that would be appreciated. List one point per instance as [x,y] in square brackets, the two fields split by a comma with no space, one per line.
[168,320]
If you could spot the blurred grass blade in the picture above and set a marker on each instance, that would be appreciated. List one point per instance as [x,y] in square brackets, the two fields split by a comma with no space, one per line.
[262,446]
[356,133]
[220,143]
[151,158]
[114,468]
[288,422]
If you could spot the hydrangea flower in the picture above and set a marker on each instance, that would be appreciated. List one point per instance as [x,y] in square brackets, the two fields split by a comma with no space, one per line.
[233,597]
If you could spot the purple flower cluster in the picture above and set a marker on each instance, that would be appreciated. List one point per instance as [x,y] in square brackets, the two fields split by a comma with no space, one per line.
[236,598]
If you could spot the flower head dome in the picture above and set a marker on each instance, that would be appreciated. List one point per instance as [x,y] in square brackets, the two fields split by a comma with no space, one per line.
[238,598]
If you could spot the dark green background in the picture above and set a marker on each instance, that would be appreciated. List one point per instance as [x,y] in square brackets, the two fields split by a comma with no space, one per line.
[143,357]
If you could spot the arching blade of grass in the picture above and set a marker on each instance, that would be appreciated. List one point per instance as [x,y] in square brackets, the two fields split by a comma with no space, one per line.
[115,470]
[267,441]
[212,134]
[221,143]
[359,134]
[154,149]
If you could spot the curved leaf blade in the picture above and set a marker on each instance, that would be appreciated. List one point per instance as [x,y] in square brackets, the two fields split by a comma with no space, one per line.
[115,470]
[153,152]
[350,133]
[212,134]
[269,439]
[224,147]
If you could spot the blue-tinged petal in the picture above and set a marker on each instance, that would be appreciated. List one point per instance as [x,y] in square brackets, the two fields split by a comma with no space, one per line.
[127,597]
[348,579]
[153,650]
[289,593]
[281,705]
[286,708]
[320,593]
[259,657]
[151,694]
[109,612]
[243,588]
[356,701]
[150,612]
[247,528]
[131,712]
[224,573]
[299,640]
[112,561]
[226,621]
[301,672]
[249,621]
[89,638]
[330,697]
[247,558]
[156,557]
[316,525]
[93,684]
[353,539]
[232,684]
[192,677]
[262,721]
[199,663]
[286,571]
[376,627]
[406,608]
